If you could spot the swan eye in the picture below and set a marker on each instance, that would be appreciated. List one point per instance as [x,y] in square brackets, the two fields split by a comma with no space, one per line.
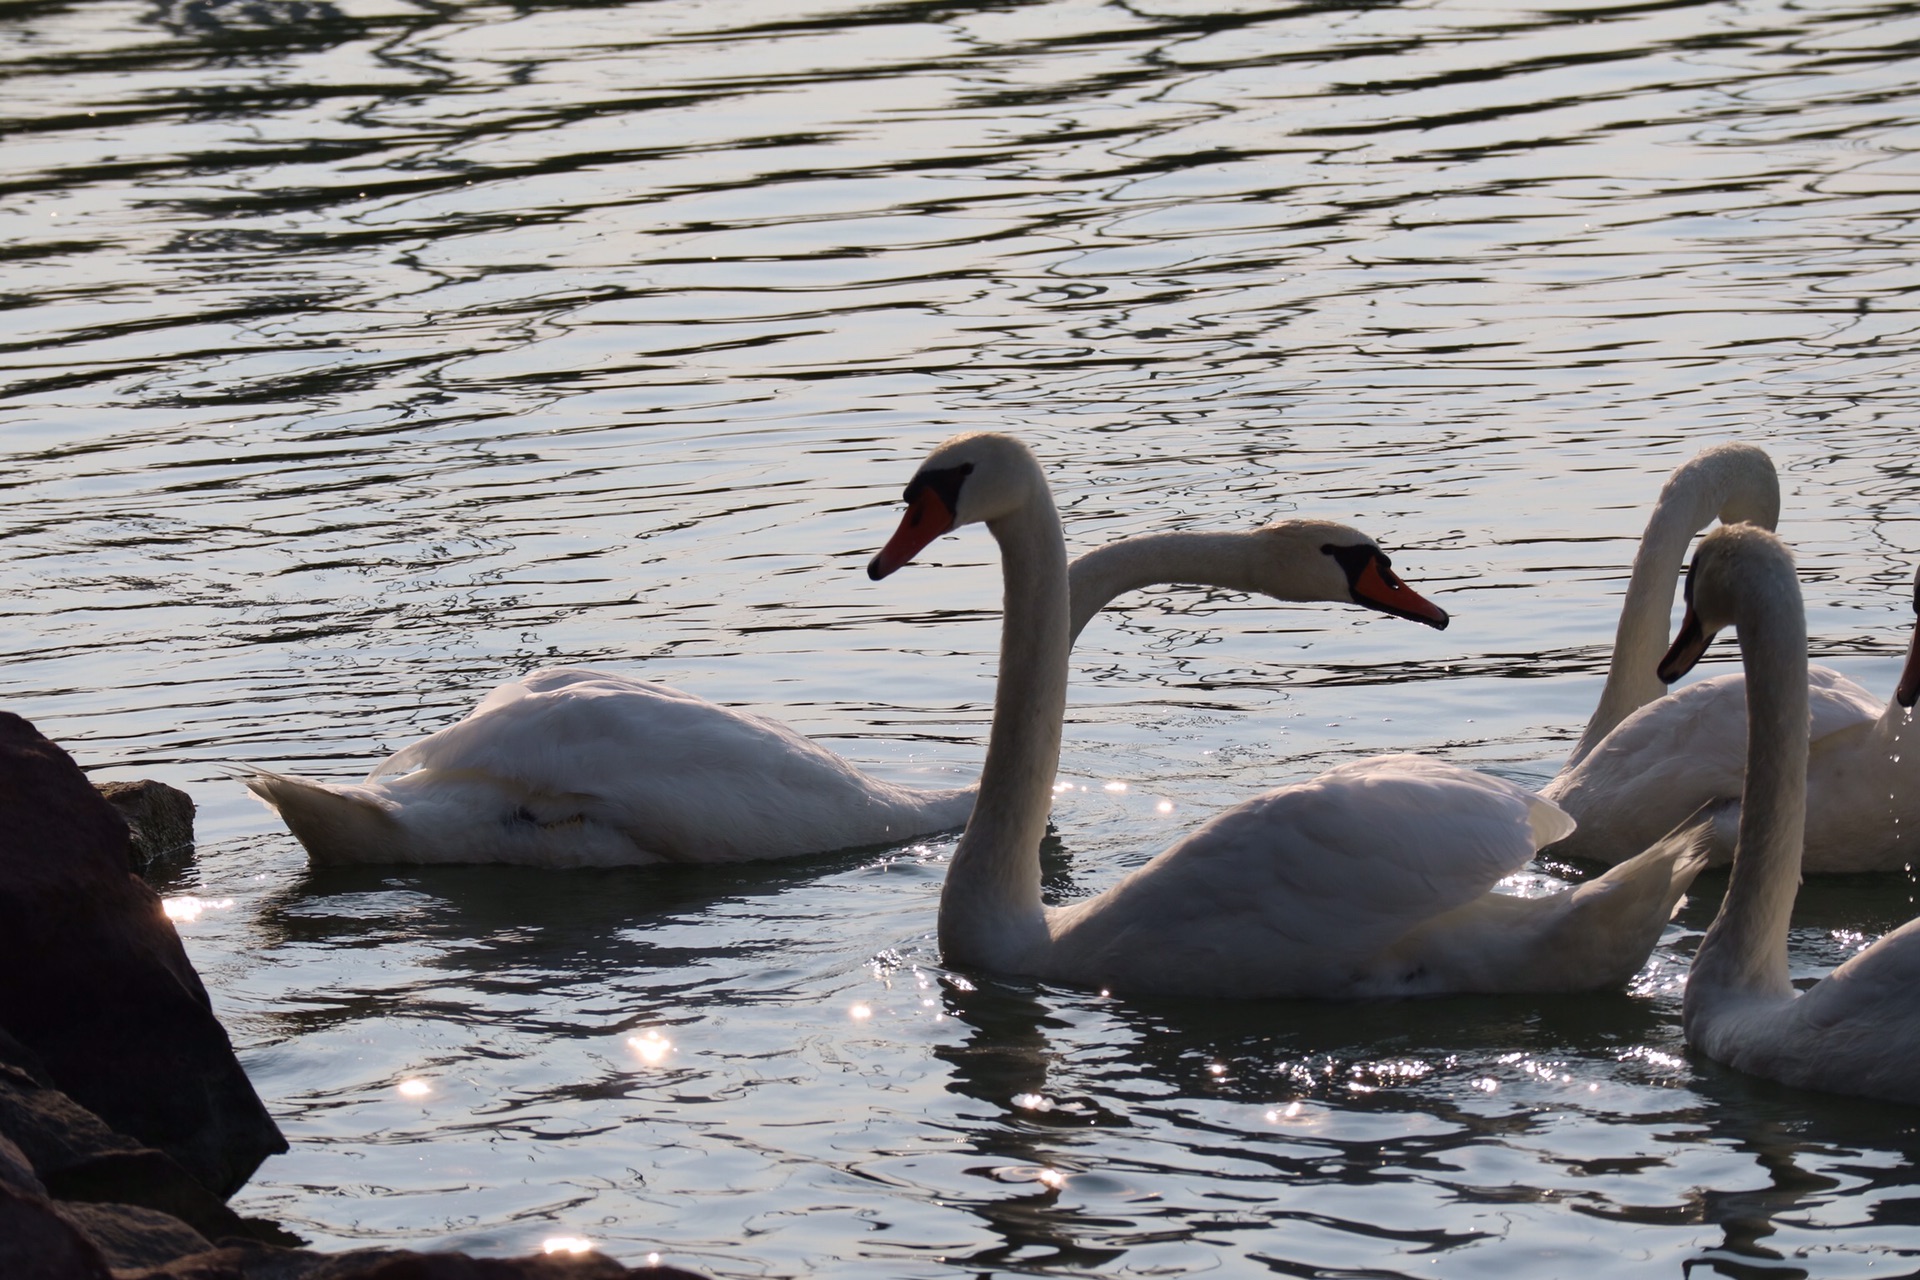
[945,484]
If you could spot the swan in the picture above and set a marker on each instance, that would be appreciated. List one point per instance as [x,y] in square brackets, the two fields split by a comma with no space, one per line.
[1732,482]
[1856,1031]
[1646,761]
[1689,749]
[1374,878]
[570,766]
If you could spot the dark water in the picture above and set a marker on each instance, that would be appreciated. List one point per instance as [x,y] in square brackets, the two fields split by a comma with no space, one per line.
[357,357]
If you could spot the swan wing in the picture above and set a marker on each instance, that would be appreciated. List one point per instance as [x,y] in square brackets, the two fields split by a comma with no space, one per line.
[1292,892]
[1876,985]
[543,708]
[1672,756]
[1856,1031]
[1836,702]
[679,776]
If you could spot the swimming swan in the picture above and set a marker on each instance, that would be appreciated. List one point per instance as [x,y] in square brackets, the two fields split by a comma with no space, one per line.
[1863,781]
[1857,1031]
[1668,756]
[1373,879]
[1731,482]
[570,767]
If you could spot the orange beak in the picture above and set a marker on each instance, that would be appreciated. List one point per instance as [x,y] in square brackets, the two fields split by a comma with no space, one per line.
[926,518]
[1378,588]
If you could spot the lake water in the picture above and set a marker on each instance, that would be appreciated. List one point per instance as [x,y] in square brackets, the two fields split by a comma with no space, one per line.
[360,355]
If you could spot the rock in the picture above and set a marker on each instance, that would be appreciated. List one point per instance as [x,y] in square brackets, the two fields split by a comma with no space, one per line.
[16,1170]
[159,819]
[76,1157]
[125,1119]
[98,986]
[36,1243]
[129,1236]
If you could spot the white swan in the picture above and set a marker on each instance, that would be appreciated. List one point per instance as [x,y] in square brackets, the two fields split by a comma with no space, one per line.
[1646,762]
[1731,482]
[1857,1031]
[1373,879]
[573,767]
[1689,748]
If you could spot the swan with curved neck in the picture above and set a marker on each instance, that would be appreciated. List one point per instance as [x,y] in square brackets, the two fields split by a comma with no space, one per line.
[1665,757]
[1375,878]
[1689,749]
[570,766]
[1734,483]
[1857,1031]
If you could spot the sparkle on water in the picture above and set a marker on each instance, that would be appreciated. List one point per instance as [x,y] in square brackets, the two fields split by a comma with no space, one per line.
[359,356]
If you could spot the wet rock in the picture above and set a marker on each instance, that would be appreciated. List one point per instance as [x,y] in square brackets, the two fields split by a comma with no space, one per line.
[16,1170]
[100,990]
[36,1243]
[124,1118]
[130,1236]
[74,1156]
[159,819]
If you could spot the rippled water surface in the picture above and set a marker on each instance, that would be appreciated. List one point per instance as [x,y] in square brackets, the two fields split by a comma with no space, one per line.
[357,356]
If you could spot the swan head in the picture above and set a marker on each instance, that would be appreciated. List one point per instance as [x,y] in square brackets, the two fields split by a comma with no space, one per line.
[1323,560]
[970,479]
[1736,481]
[1907,692]
[1740,572]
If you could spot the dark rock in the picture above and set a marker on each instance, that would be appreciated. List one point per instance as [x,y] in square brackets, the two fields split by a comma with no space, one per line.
[77,1157]
[255,1262]
[159,819]
[99,989]
[130,1236]
[16,1170]
[36,1243]
[154,1180]
[52,1130]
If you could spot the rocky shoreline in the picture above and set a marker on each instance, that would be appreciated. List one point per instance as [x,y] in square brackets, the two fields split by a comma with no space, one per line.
[125,1120]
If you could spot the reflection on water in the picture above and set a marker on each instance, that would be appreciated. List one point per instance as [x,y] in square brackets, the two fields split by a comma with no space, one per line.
[360,355]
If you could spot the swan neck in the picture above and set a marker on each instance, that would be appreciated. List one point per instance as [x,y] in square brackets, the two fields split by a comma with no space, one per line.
[1101,576]
[1731,482]
[1745,950]
[990,909]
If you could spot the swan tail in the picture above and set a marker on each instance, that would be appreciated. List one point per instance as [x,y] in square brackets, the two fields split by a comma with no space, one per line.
[1624,912]
[340,824]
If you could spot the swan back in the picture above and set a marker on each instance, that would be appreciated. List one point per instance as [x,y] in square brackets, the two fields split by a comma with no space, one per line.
[1299,891]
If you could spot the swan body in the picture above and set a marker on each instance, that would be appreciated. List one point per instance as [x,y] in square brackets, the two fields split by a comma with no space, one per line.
[574,767]
[1689,748]
[1375,878]
[1856,1031]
